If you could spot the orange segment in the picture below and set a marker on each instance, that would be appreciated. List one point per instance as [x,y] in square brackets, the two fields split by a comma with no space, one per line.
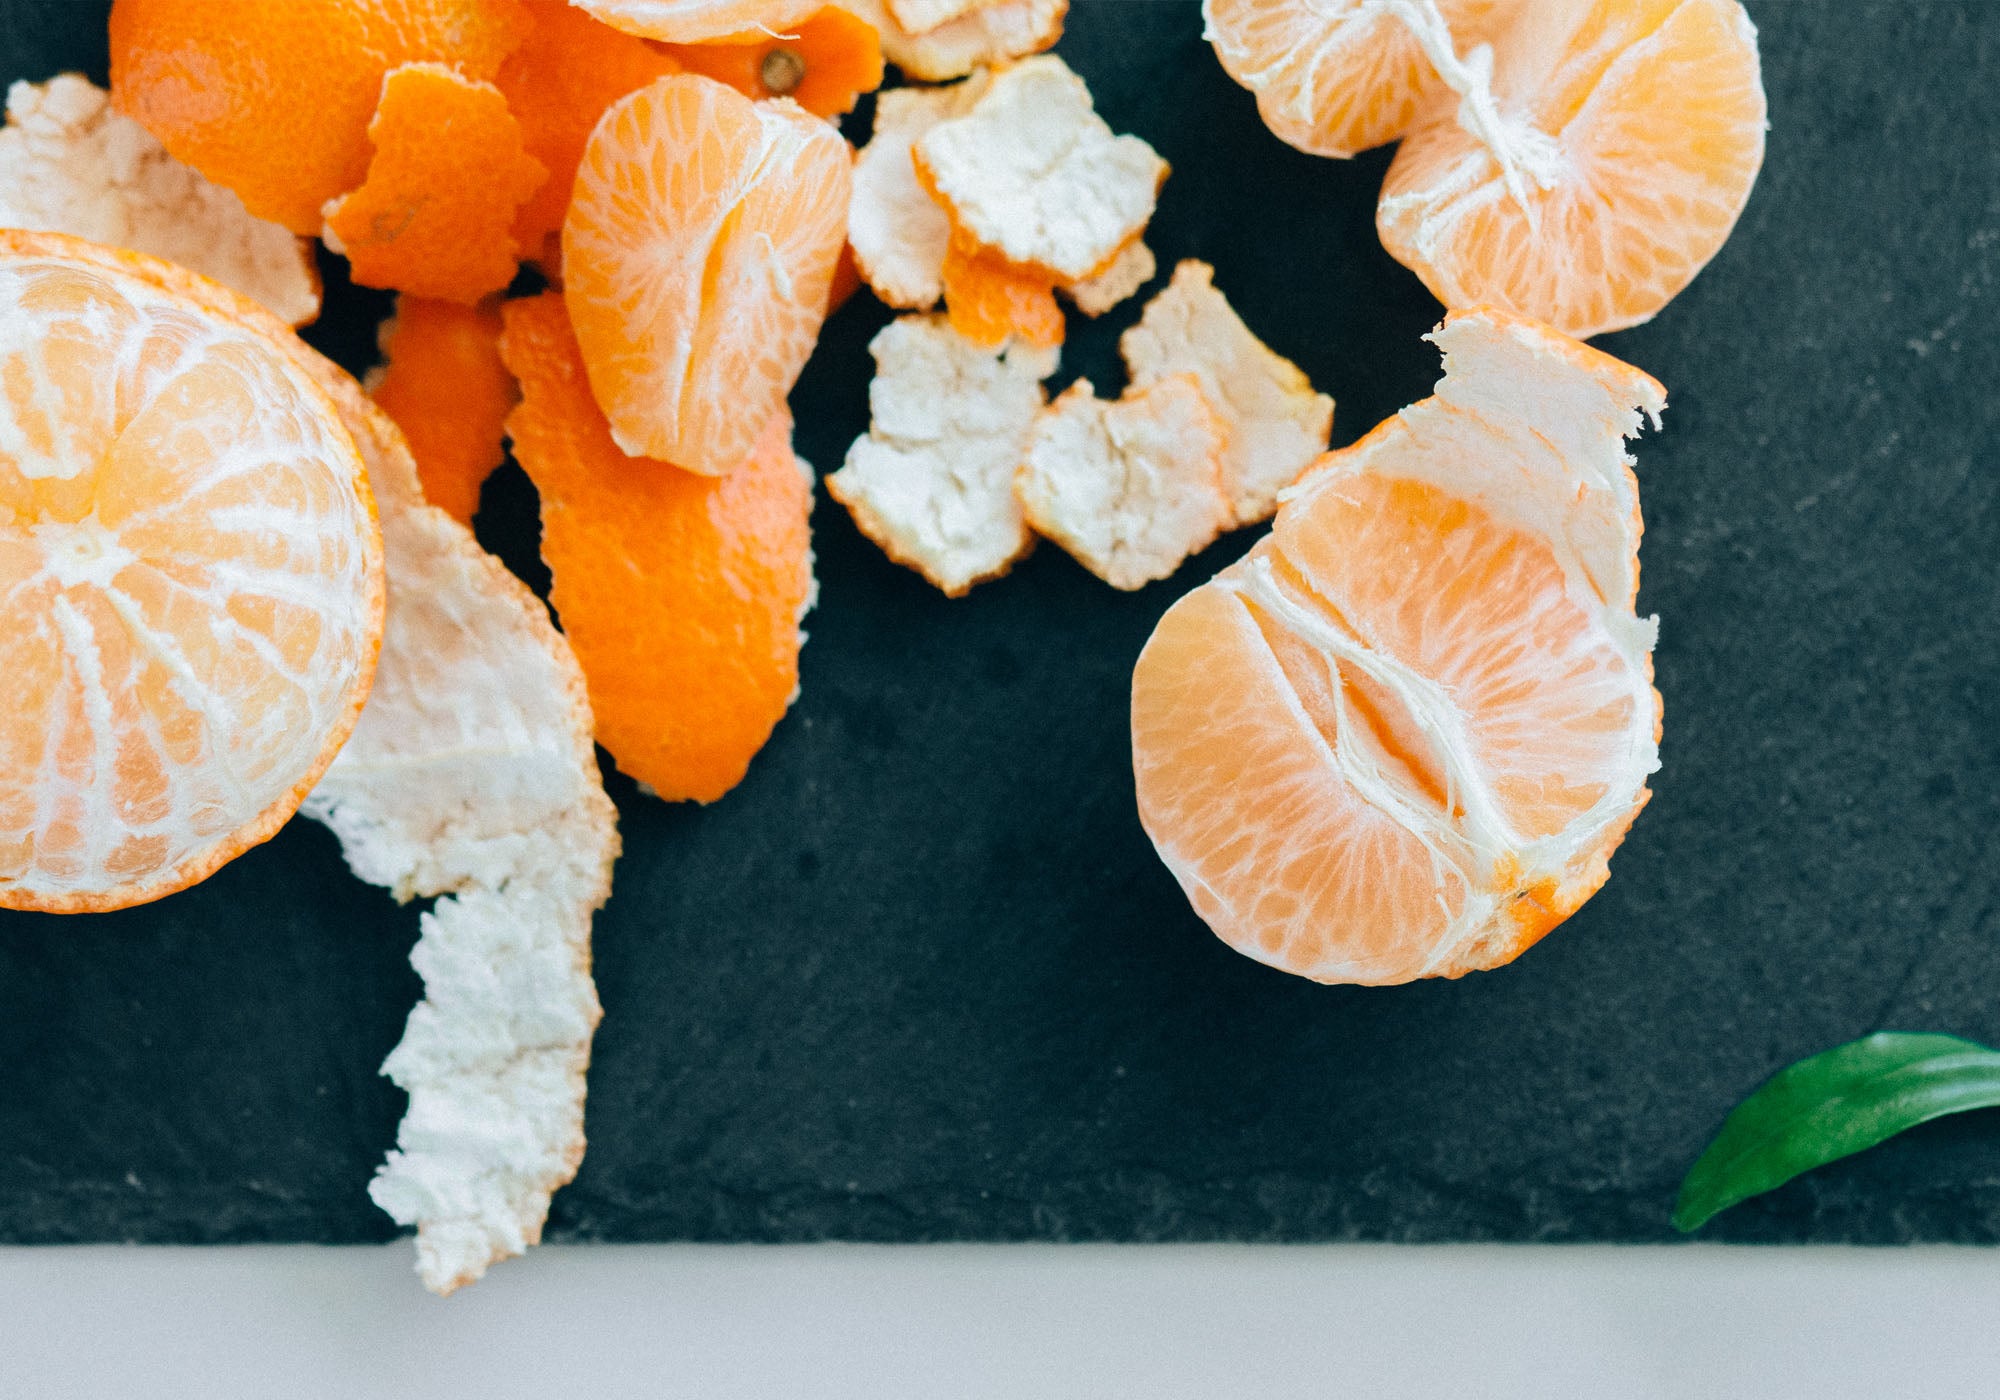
[697,257]
[990,299]
[823,64]
[443,382]
[273,100]
[681,594]
[1341,77]
[435,215]
[1402,737]
[557,85]
[692,21]
[1629,135]
[192,570]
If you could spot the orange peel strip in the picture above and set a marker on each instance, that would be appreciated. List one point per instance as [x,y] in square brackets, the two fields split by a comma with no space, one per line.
[436,213]
[443,382]
[682,594]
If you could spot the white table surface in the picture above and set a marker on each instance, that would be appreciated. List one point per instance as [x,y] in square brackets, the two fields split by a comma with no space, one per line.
[967,1322]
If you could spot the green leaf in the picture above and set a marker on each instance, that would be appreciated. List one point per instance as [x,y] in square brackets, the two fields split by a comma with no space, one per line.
[1833,1105]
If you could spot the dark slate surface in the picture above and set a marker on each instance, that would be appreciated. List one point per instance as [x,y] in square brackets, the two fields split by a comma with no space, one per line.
[921,977]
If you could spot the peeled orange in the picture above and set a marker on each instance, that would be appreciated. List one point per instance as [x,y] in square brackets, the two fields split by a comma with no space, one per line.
[192,569]
[1402,737]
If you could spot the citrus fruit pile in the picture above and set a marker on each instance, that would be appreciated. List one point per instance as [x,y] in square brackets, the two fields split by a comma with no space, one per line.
[1400,738]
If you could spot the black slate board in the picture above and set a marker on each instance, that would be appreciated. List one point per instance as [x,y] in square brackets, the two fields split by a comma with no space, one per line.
[921,976]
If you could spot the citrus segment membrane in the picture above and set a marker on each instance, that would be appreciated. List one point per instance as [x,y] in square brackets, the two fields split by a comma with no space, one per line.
[70,164]
[443,383]
[1623,143]
[899,233]
[558,84]
[682,595]
[1336,77]
[192,567]
[435,216]
[1120,279]
[693,21]
[932,483]
[991,32]
[1276,423]
[1131,487]
[1032,172]
[823,63]
[697,257]
[273,100]
[472,776]
[1402,737]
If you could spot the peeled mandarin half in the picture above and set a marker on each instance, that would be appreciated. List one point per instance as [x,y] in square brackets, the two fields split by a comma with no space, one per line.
[1336,77]
[682,594]
[192,571]
[698,255]
[1618,147]
[273,100]
[1402,737]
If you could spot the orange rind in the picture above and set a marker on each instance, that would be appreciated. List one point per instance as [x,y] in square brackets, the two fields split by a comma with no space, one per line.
[273,101]
[1032,172]
[1402,737]
[472,777]
[192,569]
[983,34]
[698,254]
[682,594]
[991,300]
[1119,279]
[70,164]
[558,84]
[898,231]
[435,215]
[932,482]
[443,383]
[1129,487]
[823,63]
[1277,425]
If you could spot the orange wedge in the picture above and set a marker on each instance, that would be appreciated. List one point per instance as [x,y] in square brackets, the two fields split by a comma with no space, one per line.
[1621,143]
[192,568]
[697,257]
[693,21]
[681,594]
[1402,737]
[1341,77]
